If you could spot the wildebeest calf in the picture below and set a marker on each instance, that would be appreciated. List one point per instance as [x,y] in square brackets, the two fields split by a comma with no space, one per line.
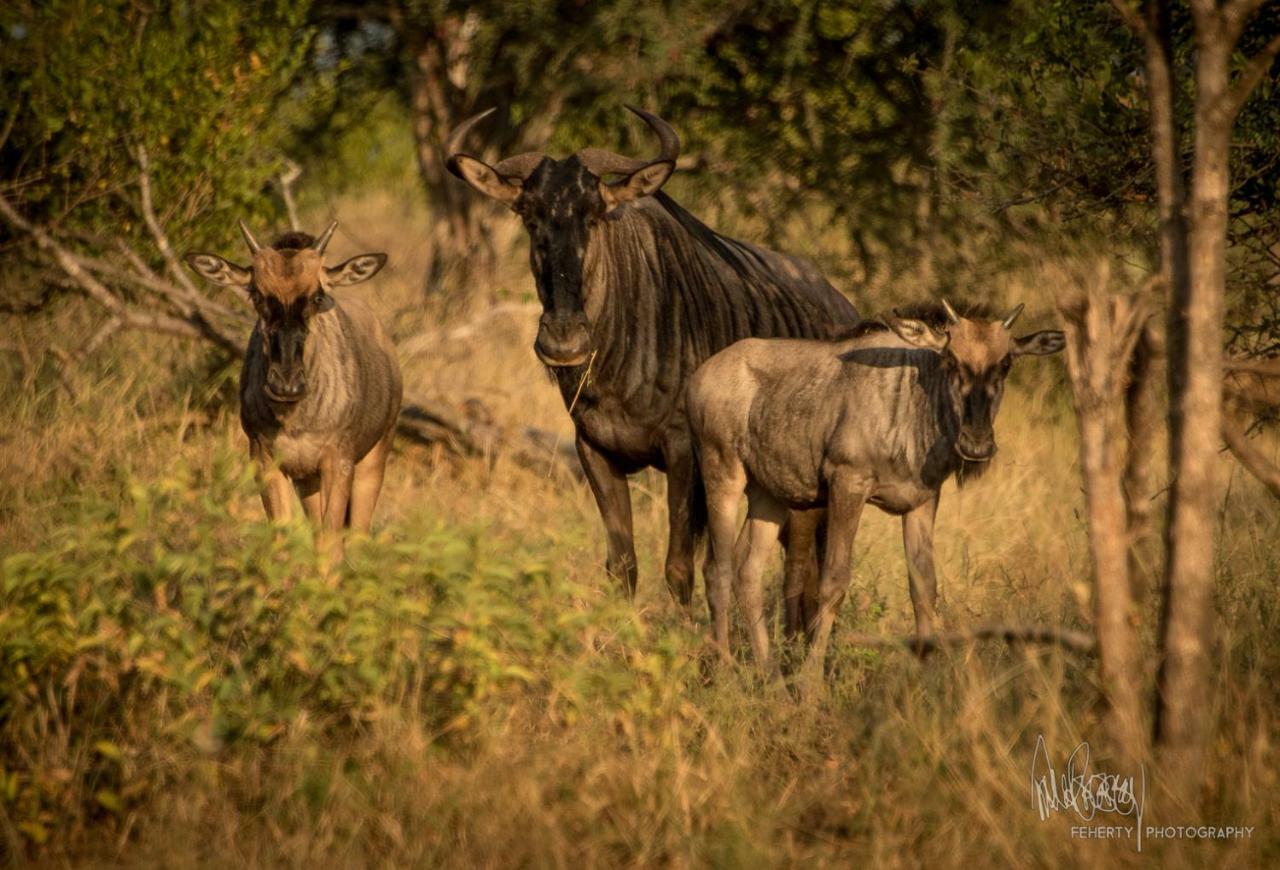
[320,388]
[883,416]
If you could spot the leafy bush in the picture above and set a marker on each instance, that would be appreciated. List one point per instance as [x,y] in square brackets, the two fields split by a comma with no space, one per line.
[160,625]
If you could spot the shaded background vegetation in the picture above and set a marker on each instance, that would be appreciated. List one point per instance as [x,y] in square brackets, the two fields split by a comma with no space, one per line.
[175,679]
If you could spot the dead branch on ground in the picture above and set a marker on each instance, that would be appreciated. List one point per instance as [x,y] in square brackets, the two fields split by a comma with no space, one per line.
[1068,639]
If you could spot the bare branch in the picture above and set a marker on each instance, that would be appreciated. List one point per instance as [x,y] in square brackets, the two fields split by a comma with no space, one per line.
[1249,456]
[1264,367]
[1073,641]
[153,224]
[92,287]
[1249,77]
[64,366]
[1238,12]
[286,180]
[64,258]
[109,327]
[8,126]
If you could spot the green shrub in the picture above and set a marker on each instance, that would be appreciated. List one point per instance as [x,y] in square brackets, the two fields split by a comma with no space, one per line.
[160,624]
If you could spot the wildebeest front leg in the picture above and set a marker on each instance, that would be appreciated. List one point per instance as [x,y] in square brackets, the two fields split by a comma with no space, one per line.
[765,517]
[335,494]
[846,498]
[277,492]
[725,479]
[917,544]
[679,567]
[613,498]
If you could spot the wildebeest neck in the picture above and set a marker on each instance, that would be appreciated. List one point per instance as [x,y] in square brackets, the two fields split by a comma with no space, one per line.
[663,292]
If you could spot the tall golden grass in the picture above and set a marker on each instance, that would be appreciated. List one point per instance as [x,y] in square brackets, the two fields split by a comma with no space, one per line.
[664,757]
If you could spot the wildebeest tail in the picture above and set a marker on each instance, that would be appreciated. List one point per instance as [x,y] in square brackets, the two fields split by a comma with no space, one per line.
[697,500]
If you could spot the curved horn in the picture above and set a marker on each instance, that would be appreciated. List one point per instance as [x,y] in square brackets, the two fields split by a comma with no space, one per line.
[322,241]
[668,141]
[249,240]
[520,165]
[951,312]
[604,162]
[453,144]
[1007,323]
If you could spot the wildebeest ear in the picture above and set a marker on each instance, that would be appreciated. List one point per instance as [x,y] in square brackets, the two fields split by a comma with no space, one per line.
[483,178]
[917,333]
[1039,343]
[645,181]
[218,270]
[359,268]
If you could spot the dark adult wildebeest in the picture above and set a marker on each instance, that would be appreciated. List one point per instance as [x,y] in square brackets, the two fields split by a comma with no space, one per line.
[884,416]
[320,387]
[636,293]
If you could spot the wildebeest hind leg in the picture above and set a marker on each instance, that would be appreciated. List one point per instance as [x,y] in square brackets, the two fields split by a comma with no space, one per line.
[680,536]
[366,484]
[725,482]
[800,571]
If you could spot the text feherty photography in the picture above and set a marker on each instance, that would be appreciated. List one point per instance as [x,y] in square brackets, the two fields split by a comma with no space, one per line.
[1093,793]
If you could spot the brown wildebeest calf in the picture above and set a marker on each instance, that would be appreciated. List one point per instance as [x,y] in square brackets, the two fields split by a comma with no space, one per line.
[320,387]
[884,416]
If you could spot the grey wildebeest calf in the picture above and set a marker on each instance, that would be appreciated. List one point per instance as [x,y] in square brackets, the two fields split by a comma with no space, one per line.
[884,415]
[320,388]
[636,293]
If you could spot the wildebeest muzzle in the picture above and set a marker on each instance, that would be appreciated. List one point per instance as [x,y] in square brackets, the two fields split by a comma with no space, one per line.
[286,374]
[563,340]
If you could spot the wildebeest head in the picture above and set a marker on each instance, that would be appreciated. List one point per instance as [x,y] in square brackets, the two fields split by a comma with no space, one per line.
[560,202]
[976,357]
[288,285]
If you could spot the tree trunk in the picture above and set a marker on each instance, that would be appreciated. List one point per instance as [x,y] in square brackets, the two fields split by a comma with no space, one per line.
[1142,401]
[1195,380]
[461,236]
[1102,332]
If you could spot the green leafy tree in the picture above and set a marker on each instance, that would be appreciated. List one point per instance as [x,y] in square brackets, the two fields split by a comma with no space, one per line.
[133,130]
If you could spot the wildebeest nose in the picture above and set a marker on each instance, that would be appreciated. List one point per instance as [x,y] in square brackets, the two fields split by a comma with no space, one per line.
[561,327]
[291,386]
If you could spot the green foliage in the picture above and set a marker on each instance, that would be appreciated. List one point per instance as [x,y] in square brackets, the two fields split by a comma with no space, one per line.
[197,84]
[158,626]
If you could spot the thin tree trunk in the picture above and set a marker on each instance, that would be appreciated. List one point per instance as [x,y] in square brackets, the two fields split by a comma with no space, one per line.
[461,236]
[1195,378]
[1142,400]
[1102,331]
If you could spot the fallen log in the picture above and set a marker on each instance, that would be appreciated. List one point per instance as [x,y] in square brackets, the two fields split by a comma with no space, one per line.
[1072,641]
[470,431]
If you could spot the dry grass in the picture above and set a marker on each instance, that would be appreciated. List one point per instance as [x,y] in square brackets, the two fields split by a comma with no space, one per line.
[903,764]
